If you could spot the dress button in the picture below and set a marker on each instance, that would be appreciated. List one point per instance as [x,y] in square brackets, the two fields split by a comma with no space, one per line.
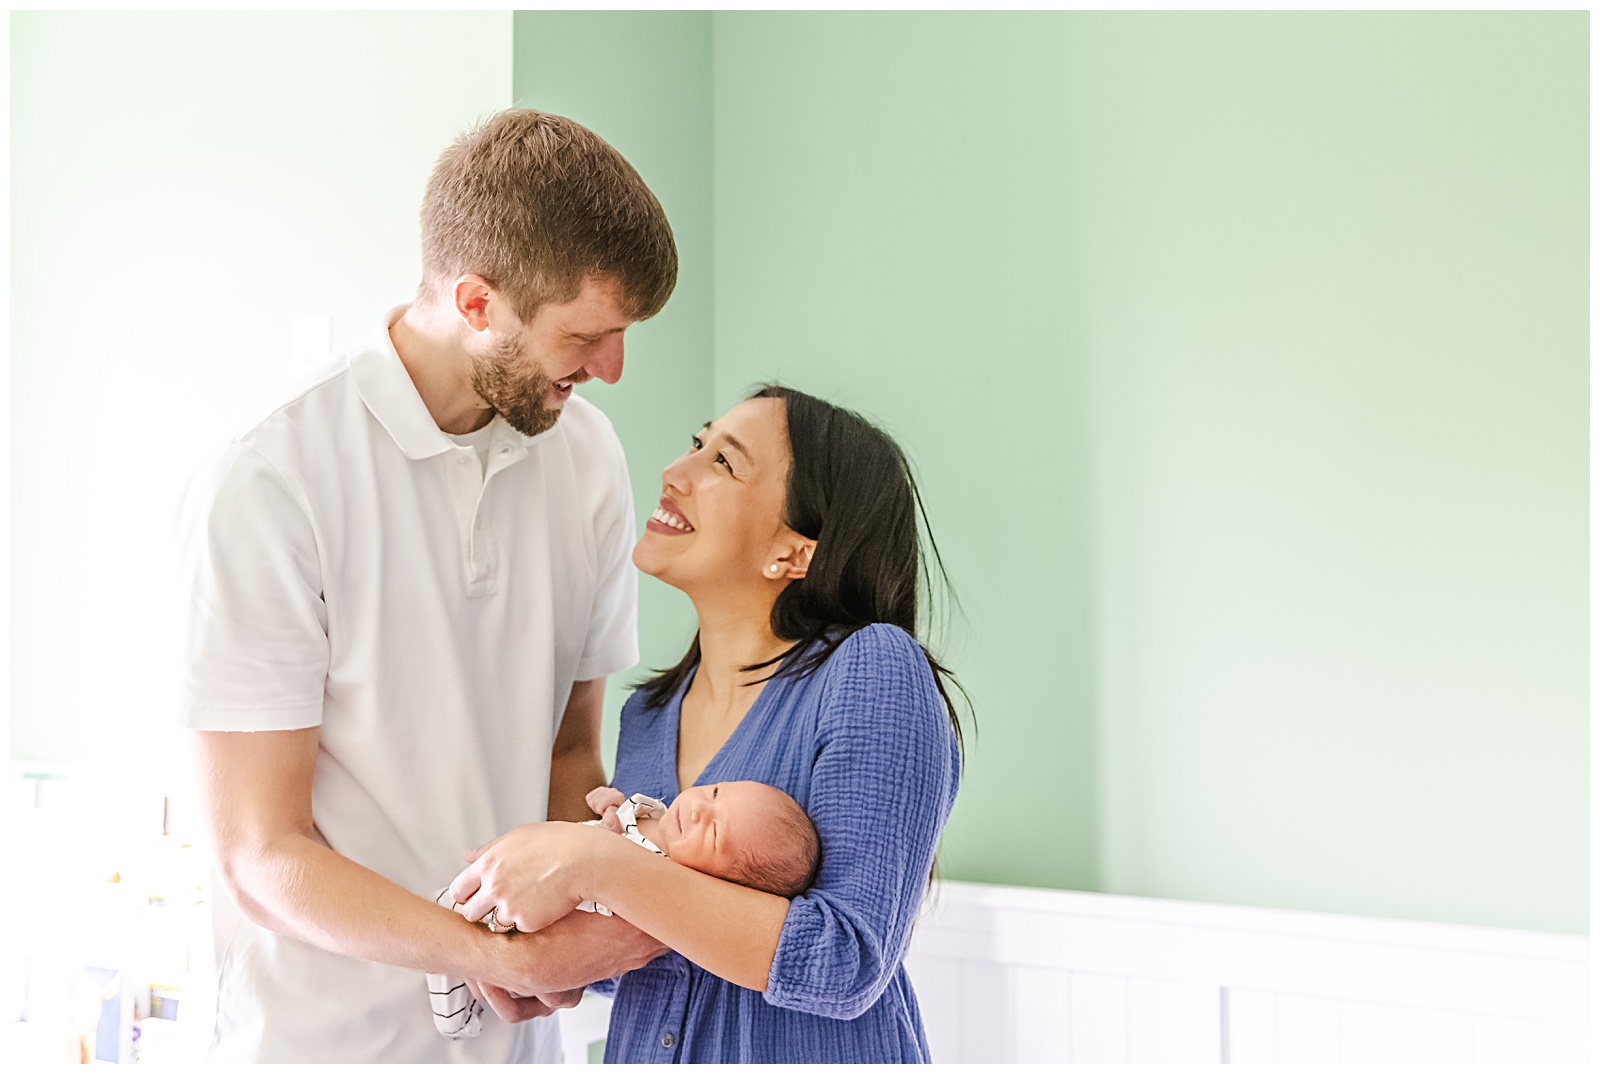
[666,1040]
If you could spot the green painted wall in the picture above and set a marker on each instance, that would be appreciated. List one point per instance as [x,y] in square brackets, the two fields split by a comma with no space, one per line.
[890,227]
[1244,357]
[1332,277]
[641,80]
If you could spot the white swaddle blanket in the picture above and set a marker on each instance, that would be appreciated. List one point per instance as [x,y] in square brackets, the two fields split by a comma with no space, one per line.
[457,1013]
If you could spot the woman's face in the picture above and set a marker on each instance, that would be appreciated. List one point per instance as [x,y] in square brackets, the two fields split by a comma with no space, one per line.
[719,526]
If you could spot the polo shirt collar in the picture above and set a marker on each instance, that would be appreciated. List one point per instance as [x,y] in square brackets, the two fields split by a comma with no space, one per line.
[387,390]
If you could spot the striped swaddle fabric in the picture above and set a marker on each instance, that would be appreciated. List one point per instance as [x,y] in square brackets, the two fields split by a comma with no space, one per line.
[629,813]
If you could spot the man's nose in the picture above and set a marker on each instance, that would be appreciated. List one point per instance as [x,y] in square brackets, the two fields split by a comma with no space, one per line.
[605,362]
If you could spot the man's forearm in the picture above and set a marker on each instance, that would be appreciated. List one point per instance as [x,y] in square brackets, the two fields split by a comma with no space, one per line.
[575,766]
[301,888]
[572,776]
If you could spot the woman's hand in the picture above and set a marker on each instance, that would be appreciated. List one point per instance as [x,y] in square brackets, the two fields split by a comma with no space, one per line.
[532,875]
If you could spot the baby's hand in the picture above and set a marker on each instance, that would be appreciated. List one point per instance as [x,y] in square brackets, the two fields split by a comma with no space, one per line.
[604,801]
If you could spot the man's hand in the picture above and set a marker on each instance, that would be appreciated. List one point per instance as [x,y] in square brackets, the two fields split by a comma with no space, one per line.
[575,951]
[514,1008]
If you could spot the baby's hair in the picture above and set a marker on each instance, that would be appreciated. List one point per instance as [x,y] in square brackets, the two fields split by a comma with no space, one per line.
[786,864]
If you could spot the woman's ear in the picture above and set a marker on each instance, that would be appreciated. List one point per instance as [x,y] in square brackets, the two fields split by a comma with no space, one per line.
[792,561]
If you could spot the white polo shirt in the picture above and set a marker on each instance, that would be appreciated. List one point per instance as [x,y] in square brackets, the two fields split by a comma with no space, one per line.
[348,566]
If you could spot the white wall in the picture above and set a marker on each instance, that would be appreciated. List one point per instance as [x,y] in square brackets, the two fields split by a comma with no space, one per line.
[186,187]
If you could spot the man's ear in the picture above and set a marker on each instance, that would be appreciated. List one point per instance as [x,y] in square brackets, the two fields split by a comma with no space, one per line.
[472,301]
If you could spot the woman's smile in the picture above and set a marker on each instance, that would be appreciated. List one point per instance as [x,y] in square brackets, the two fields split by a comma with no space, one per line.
[666,518]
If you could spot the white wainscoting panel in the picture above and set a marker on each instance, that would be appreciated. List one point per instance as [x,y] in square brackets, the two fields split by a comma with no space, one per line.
[1173,1021]
[1097,1018]
[1438,1037]
[1022,975]
[1039,1021]
[1095,978]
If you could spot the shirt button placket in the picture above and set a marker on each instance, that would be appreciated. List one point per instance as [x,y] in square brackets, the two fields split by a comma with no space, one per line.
[676,1014]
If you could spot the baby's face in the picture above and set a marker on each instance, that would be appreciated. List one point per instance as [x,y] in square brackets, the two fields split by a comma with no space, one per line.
[710,828]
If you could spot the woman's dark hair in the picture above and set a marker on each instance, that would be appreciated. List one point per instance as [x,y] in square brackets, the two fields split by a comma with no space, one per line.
[851,490]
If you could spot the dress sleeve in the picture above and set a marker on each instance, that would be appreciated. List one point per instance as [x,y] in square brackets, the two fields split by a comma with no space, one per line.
[606,988]
[256,657]
[882,785]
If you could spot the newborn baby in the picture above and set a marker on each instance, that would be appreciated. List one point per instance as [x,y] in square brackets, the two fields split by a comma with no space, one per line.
[750,833]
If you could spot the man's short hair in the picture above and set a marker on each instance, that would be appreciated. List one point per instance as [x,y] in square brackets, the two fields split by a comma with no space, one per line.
[535,203]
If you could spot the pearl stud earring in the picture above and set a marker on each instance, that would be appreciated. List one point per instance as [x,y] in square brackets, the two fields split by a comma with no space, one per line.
[773,568]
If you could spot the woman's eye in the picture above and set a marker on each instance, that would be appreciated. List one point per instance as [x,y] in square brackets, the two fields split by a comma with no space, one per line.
[695,441]
[723,459]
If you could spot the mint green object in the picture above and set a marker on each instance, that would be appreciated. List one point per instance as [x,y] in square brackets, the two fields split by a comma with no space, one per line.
[1243,358]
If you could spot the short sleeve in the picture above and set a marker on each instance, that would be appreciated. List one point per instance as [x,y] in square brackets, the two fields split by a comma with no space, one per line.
[256,654]
[882,786]
[612,640]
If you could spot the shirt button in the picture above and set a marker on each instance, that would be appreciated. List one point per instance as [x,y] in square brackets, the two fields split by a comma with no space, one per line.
[462,459]
[666,1040]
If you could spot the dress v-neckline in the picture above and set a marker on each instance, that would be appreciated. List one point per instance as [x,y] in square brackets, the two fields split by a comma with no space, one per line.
[677,732]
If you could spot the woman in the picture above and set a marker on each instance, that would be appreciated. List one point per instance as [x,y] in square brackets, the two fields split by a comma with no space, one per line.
[791,525]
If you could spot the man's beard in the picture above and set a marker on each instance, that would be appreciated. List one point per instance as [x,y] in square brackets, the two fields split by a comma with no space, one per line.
[517,398]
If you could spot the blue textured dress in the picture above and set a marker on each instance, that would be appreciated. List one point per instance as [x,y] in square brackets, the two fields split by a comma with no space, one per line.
[865,746]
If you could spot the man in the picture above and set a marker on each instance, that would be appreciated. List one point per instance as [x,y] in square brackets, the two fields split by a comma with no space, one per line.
[406,587]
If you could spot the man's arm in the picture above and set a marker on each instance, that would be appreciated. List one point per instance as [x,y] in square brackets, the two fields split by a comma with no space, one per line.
[575,767]
[255,793]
